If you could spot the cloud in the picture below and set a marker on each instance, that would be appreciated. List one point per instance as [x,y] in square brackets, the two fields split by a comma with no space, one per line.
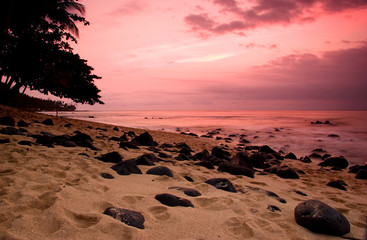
[335,80]
[265,12]
[129,8]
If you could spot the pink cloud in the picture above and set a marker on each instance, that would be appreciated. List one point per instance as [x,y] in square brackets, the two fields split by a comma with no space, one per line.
[130,7]
[336,80]
[268,12]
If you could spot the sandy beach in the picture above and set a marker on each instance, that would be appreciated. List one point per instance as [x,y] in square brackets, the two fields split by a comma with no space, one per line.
[58,192]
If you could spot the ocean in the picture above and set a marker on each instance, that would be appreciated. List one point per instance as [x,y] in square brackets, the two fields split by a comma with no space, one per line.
[289,131]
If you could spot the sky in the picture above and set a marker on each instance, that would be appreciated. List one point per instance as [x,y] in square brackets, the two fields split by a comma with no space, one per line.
[227,54]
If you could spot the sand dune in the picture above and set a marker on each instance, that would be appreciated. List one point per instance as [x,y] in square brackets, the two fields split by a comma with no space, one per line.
[56,193]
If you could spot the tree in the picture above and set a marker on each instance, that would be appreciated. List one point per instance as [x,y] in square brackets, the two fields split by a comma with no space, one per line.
[35,50]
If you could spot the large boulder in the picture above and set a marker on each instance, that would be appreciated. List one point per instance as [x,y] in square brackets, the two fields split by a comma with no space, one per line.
[319,217]
[129,217]
[339,162]
[222,184]
[258,160]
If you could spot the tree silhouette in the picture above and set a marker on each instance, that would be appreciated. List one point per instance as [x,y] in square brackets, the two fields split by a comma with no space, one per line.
[35,50]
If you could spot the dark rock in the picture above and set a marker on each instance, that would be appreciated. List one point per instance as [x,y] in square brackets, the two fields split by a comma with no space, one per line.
[126,167]
[356,168]
[273,208]
[236,169]
[166,145]
[125,145]
[326,155]
[188,191]
[183,145]
[6,140]
[222,184]
[164,155]
[337,184]
[291,156]
[80,137]
[10,131]
[266,149]
[361,174]
[319,150]
[116,129]
[112,157]
[22,124]
[83,154]
[48,122]
[7,121]
[315,155]
[45,139]
[221,153]
[129,217]
[147,159]
[333,135]
[68,143]
[283,172]
[22,130]
[181,157]
[87,144]
[205,164]
[242,159]
[258,160]
[306,159]
[107,176]
[160,170]
[185,151]
[275,196]
[300,193]
[339,162]
[26,143]
[145,139]
[243,140]
[319,217]
[189,179]
[68,125]
[116,139]
[203,155]
[172,200]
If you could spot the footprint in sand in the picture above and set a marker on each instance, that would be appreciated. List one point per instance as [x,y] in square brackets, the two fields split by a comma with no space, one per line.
[160,213]
[239,228]
[82,220]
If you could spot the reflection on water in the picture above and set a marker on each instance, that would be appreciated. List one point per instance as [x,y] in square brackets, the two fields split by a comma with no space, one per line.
[283,130]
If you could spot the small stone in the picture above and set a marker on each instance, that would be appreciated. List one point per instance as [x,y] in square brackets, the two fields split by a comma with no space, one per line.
[188,191]
[48,122]
[172,200]
[273,208]
[222,184]
[7,121]
[129,217]
[107,176]
[26,143]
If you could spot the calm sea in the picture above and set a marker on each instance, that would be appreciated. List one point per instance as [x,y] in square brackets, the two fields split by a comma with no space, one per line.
[290,131]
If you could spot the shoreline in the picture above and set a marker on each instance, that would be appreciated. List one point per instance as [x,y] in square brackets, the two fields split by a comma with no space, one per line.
[56,193]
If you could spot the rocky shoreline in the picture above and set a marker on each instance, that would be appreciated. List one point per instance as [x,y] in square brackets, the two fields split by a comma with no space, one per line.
[61,178]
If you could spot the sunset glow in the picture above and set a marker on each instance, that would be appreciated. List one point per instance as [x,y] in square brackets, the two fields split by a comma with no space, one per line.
[227,54]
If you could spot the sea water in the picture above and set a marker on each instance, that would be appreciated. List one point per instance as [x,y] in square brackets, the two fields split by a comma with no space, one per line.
[289,131]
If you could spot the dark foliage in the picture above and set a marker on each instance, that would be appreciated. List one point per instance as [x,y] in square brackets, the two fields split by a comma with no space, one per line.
[35,52]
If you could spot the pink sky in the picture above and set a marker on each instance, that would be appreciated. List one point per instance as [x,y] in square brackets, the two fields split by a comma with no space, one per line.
[227,54]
